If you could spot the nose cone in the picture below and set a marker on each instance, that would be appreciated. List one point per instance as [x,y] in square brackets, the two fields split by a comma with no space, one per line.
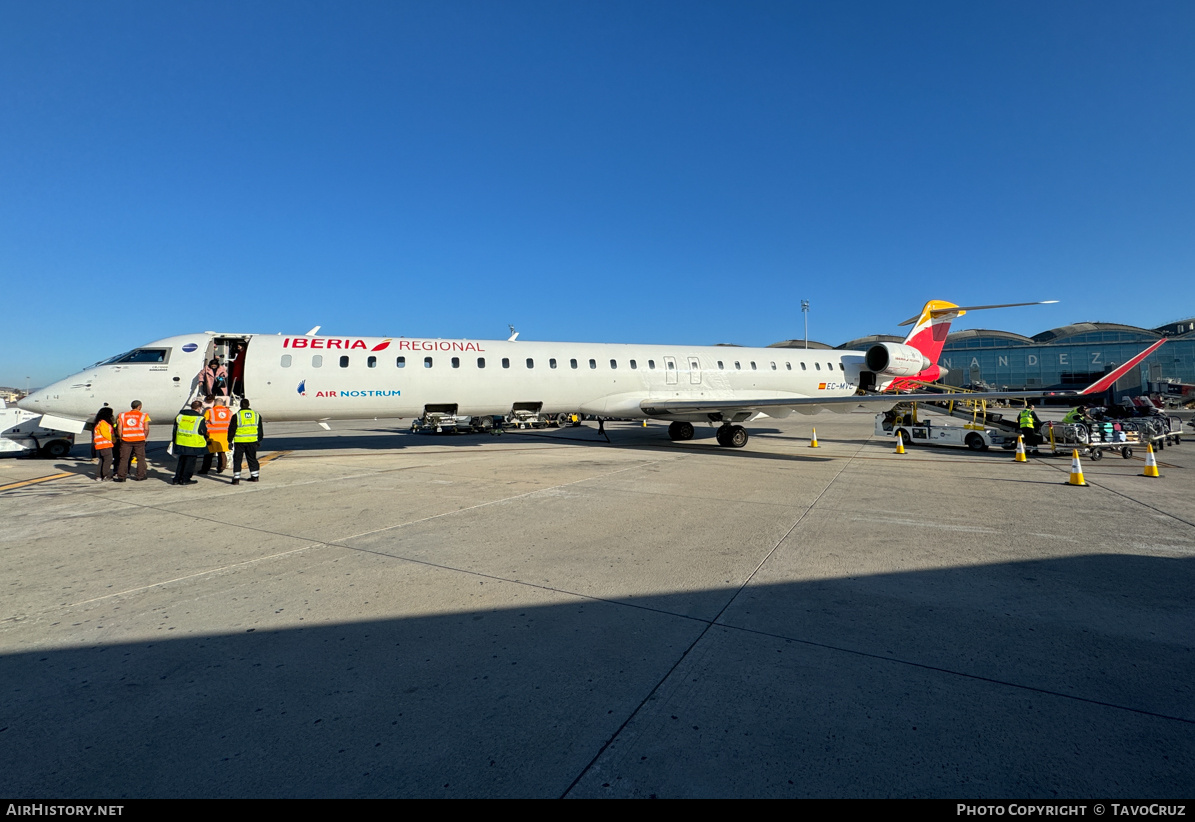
[34,402]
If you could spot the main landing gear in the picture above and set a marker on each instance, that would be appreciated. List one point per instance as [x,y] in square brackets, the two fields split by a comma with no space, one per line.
[730,436]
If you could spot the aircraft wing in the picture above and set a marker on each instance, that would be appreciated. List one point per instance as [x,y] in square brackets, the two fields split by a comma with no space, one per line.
[739,405]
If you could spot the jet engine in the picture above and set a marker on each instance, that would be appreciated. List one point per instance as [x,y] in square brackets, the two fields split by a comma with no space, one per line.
[895,360]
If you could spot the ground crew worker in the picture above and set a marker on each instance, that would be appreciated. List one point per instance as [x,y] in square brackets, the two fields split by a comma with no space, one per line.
[133,428]
[1028,423]
[245,431]
[217,418]
[103,439]
[190,440]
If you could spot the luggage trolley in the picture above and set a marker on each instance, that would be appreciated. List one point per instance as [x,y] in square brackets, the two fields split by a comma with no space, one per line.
[1092,443]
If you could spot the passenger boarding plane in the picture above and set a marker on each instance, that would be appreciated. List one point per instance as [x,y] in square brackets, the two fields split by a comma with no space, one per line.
[321,378]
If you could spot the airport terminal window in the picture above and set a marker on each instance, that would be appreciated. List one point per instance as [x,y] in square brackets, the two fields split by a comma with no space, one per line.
[317,360]
[372,362]
[481,362]
[401,362]
[456,362]
[344,362]
[427,362]
[572,363]
[506,362]
[593,363]
[552,363]
[634,365]
[286,360]
[613,364]
[530,363]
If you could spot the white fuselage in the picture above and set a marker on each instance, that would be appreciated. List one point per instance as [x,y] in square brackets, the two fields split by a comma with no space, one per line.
[322,377]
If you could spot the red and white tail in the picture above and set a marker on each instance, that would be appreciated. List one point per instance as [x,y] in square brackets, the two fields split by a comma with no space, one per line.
[928,336]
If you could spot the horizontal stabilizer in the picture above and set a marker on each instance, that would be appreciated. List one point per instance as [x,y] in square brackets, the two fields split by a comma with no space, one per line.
[959,309]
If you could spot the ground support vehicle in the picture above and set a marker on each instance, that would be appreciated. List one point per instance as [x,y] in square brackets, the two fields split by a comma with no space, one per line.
[940,431]
[446,424]
[22,435]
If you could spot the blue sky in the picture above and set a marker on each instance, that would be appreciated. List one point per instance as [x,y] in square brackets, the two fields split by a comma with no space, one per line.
[603,171]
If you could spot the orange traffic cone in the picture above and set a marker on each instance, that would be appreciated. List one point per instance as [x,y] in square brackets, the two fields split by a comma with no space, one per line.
[1151,462]
[1021,450]
[1076,470]
[900,443]
[813,442]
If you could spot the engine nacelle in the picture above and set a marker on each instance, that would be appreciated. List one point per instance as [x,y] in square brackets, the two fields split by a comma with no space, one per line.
[895,360]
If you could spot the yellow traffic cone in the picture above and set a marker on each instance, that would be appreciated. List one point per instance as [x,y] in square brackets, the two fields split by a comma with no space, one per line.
[813,442]
[1076,470]
[900,443]
[1151,463]
[1021,450]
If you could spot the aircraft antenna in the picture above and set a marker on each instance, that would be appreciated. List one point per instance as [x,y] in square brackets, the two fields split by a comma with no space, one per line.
[514,335]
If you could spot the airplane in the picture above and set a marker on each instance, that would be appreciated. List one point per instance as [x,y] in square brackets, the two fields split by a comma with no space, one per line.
[319,378]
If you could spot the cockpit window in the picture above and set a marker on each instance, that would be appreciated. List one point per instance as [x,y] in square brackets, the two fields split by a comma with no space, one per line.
[150,355]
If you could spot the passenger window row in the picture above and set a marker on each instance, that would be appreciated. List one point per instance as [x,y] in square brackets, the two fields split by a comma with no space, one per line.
[317,361]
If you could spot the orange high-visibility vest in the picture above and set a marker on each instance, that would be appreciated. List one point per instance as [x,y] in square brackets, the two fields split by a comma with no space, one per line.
[217,420]
[101,436]
[133,426]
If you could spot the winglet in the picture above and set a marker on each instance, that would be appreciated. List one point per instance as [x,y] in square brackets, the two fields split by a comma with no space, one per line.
[1105,382]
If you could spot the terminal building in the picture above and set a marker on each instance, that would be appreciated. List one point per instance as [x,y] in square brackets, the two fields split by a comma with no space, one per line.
[1061,359]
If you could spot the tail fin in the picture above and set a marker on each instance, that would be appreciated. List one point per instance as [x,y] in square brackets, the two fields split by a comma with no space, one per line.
[931,326]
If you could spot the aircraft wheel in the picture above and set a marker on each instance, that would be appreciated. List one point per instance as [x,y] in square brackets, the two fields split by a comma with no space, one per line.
[680,431]
[722,435]
[975,442]
[56,449]
[737,436]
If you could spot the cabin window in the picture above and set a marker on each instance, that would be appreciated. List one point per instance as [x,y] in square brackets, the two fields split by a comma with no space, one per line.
[401,362]
[530,363]
[803,368]
[286,360]
[613,364]
[506,362]
[818,366]
[593,363]
[317,360]
[572,363]
[841,367]
[788,366]
[671,365]
[372,362]
[634,365]
[427,362]
[737,366]
[720,366]
[552,363]
[773,366]
[753,365]
[481,362]
[651,365]
[456,362]
[344,362]
[829,366]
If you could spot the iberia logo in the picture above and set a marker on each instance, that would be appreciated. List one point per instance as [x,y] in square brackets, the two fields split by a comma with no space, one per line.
[382,346]
[303,388]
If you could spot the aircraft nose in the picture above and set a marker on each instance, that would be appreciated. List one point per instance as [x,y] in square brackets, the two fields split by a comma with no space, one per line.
[33,402]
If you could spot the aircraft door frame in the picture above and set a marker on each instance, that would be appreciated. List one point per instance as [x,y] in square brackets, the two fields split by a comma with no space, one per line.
[670,370]
[694,370]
